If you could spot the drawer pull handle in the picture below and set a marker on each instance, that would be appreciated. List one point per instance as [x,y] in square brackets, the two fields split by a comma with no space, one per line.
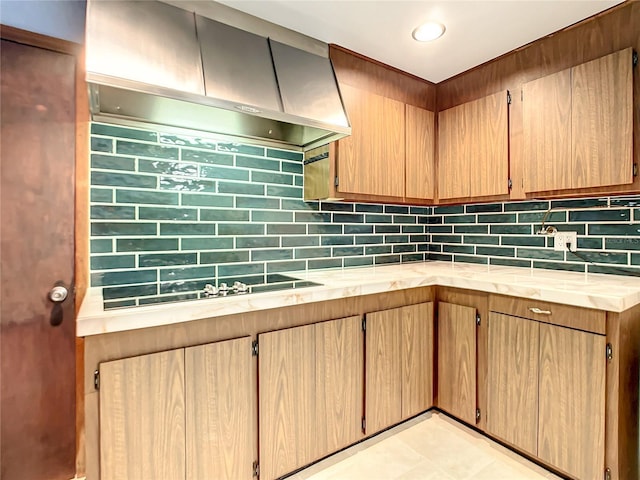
[537,310]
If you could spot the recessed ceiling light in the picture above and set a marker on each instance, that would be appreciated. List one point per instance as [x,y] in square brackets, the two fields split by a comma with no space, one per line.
[428,31]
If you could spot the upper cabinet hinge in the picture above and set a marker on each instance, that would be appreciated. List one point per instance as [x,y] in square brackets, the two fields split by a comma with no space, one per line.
[96,380]
[510,184]
[256,469]
[609,352]
[508,97]
[254,348]
[478,319]
[364,324]
[634,58]
[336,182]
[478,416]
[607,473]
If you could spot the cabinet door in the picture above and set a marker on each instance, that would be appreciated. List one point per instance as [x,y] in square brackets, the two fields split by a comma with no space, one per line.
[287,402]
[454,151]
[339,383]
[602,121]
[512,397]
[547,133]
[457,360]
[142,417]
[420,150]
[572,396]
[417,358]
[383,370]
[220,419]
[371,160]
[473,159]
[488,164]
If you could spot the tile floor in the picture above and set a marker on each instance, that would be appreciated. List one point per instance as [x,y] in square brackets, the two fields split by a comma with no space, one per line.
[429,447]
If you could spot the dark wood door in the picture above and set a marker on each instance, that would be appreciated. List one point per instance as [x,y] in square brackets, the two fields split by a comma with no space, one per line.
[37,359]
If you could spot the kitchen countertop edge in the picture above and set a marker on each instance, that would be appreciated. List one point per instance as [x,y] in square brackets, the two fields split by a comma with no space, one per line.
[603,292]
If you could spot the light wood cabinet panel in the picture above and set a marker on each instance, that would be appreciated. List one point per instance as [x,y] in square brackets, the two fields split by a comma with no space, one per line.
[417,358]
[547,132]
[457,360]
[383,370]
[286,373]
[512,404]
[473,156]
[420,151]
[572,401]
[142,417]
[371,160]
[602,121]
[454,150]
[488,164]
[339,383]
[219,411]
[578,126]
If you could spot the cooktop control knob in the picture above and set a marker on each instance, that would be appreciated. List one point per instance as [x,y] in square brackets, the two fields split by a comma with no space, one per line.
[210,290]
[223,288]
[240,287]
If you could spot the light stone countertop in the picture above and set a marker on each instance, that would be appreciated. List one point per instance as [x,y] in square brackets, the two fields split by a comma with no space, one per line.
[604,292]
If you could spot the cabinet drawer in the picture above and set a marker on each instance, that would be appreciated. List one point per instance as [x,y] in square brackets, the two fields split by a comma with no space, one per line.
[580,318]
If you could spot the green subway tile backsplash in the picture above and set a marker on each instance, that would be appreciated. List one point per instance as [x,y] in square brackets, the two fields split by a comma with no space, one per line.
[117,179]
[189,155]
[170,213]
[111,162]
[186,141]
[146,150]
[123,132]
[104,195]
[167,259]
[187,184]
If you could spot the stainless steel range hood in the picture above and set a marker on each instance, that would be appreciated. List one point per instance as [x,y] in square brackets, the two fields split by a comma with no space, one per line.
[150,62]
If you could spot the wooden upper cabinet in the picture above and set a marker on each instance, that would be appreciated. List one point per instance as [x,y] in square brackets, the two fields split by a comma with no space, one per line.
[419,163]
[371,160]
[454,148]
[602,121]
[547,132]
[578,126]
[473,153]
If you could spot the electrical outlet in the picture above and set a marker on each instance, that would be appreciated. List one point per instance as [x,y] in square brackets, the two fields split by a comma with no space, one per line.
[562,239]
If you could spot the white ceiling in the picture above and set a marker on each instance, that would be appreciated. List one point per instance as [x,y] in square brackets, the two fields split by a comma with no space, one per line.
[477,30]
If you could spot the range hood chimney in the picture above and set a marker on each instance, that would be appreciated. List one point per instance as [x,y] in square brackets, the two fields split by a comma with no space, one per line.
[149,62]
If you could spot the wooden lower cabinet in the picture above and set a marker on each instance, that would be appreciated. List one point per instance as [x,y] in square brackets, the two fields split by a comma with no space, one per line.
[546,393]
[178,414]
[310,393]
[457,360]
[512,396]
[339,384]
[572,401]
[398,365]
[142,417]
[219,410]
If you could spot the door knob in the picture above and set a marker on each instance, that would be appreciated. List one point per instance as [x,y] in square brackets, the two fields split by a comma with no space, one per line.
[58,294]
